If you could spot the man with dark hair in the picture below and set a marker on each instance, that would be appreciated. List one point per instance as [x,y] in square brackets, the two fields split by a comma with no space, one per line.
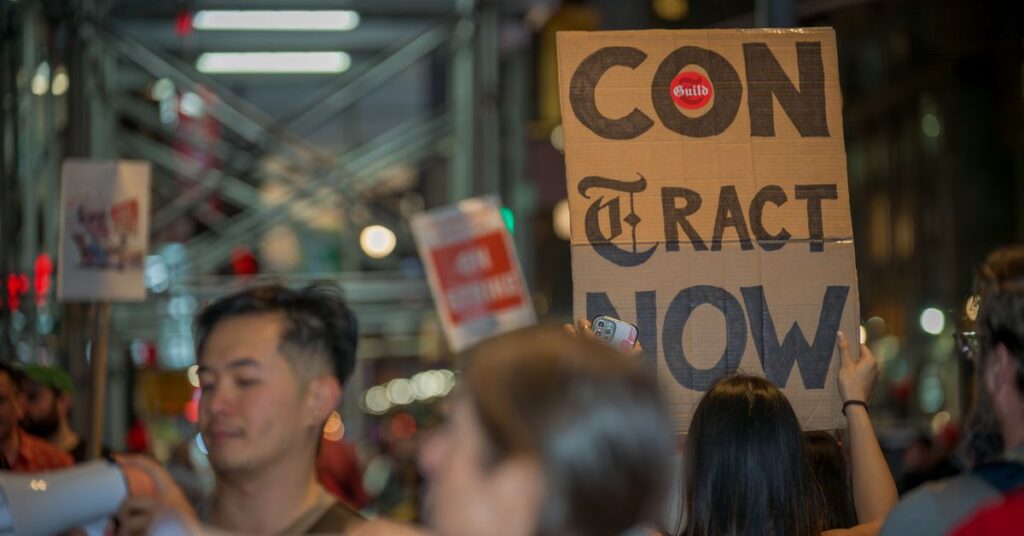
[47,394]
[272,362]
[23,452]
[999,356]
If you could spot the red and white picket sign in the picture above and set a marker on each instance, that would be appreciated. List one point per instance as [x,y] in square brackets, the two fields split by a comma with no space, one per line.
[473,271]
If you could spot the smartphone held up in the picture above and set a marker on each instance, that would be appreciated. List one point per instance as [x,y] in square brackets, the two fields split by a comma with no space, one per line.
[615,332]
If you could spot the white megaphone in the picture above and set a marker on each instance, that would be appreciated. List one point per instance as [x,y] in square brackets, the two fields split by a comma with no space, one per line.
[51,502]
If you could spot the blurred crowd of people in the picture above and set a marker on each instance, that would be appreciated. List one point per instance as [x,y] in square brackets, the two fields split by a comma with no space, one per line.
[552,432]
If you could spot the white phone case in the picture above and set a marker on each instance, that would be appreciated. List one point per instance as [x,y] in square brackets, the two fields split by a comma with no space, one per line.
[615,332]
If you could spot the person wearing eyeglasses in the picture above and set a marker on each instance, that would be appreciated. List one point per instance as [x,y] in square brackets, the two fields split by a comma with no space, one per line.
[995,431]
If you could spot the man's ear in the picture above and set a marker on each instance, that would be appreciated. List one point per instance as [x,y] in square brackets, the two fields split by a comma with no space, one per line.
[322,397]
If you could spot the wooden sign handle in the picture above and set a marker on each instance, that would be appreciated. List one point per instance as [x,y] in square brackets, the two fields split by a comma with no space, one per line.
[98,367]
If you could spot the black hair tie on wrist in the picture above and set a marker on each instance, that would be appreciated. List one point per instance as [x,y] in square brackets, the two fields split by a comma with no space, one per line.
[849,403]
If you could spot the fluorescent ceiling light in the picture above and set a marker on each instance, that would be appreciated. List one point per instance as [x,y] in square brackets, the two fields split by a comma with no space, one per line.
[273,62]
[323,20]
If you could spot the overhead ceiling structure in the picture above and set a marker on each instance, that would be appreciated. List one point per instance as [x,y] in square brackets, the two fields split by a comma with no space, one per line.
[405,105]
[309,134]
[390,95]
[399,102]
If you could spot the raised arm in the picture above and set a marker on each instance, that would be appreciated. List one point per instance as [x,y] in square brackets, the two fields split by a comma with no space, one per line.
[874,490]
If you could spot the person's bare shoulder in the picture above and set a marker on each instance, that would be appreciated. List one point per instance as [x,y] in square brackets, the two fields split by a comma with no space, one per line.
[377,527]
[867,529]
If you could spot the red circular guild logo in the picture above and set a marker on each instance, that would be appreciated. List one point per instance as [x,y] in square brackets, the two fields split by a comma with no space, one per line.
[691,90]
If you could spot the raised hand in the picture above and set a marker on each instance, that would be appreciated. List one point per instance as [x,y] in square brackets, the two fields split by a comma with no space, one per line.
[857,376]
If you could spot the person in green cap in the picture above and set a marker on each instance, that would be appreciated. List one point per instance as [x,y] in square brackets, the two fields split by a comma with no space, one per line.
[47,397]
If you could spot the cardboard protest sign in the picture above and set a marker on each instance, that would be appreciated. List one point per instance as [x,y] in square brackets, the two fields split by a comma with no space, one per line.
[473,271]
[709,204]
[104,230]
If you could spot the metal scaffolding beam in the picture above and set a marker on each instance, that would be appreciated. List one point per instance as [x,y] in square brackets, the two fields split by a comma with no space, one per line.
[232,111]
[255,127]
[463,90]
[207,180]
[412,140]
[339,96]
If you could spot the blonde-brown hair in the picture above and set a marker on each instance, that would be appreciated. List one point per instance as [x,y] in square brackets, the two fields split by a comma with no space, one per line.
[592,418]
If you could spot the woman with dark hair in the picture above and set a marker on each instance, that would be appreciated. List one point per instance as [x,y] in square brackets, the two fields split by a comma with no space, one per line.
[828,463]
[747,468]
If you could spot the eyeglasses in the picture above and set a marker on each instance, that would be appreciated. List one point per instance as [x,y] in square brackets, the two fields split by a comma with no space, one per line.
[966,345]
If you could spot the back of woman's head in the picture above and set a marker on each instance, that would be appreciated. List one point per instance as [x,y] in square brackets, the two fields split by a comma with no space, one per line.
[828,463]
[589,415]
[747,469]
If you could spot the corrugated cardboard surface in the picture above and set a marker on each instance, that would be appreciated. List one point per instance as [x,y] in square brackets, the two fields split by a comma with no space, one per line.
[795,275]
